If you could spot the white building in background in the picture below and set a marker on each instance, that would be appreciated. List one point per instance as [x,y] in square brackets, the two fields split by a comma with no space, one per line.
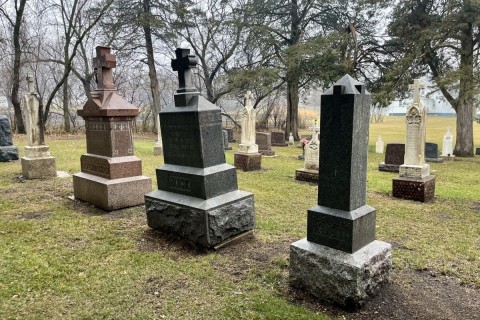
[435,105]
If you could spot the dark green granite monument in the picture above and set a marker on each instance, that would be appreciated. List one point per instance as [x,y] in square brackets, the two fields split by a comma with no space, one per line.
[340,261]
[197,197]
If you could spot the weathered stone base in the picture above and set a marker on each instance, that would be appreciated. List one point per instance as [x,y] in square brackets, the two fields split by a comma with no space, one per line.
[414,171]
[267,153]
[248,161]
[306,175]
[158,150]
[434,160]
[279,144]
[38,168]
[203,222]
[448,158]
[345,279]
[388,167]
[8,153]
[111,194]
[414,189]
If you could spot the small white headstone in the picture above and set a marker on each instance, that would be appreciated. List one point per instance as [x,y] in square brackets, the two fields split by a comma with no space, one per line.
[447,149]
[379,145]
[291,140]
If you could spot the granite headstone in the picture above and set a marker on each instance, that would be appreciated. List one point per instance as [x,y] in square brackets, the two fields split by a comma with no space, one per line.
[431,152]
[340,261]
[278,139]
[394,156]
[264,142]
[8,151]
[111,176]
[197,197]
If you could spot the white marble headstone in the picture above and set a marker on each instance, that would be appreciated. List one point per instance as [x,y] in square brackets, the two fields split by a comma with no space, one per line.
[291,140]
[379,145]
[414,163]
[312,151]
[247,139]
[447,149]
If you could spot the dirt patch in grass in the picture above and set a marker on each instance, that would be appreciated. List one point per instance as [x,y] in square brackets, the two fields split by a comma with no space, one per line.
[34,215]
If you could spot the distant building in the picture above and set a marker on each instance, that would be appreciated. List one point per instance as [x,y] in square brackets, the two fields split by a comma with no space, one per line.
[436,105]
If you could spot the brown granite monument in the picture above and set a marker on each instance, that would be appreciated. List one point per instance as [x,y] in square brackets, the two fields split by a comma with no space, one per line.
[111,176]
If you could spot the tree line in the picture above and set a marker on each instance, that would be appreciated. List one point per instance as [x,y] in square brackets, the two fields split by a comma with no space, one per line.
[276,49]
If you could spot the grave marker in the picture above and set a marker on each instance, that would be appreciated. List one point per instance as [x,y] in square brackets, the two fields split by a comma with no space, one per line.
[394,156]
[8,151]
[309,172]
[340,261]
[111,176]
[248,158]
[37,162]
[415,181]
[447,148]
[197,197]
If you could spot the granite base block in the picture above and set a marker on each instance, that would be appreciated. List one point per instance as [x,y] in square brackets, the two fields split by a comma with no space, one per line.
[248,161]
[434,160]
[422,190]
[111,194]
[203,222]
[388,167]
[267,153]
[448,158]
[340,278]
[38,168]
[8,153]
[306,175]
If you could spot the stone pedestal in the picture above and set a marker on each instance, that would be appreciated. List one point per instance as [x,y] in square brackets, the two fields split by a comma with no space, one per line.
[111,194]
[337,277]
[158,149]
[306,175]
[38,163]
[417,189]
[202,222]
[448,158]
[248,161]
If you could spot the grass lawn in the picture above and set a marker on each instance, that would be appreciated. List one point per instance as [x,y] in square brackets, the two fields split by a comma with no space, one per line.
[61,259]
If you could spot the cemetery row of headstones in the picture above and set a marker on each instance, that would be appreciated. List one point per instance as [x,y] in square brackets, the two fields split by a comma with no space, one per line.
[197,196]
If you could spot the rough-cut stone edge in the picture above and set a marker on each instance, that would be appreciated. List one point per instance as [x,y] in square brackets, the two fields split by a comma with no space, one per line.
[8,153]
[385,167]
[111,194]
[333,276]
[202,222]
[38,168]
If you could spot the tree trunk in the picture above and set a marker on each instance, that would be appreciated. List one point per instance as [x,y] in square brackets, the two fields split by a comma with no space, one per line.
[292,109]
[152,72]
[16,67]
[464,109]
[66,111]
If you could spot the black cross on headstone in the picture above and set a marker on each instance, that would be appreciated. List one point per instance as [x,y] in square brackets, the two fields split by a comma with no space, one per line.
[104,62]
[183,63]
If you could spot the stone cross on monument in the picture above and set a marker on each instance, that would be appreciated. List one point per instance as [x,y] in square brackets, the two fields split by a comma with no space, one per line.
[416,87]
[104,62]
[183,63]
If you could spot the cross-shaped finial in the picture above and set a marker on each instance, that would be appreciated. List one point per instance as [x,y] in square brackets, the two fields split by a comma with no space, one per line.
[104,62]
[249,99]
[31,88]
[183,63]
[416,86]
